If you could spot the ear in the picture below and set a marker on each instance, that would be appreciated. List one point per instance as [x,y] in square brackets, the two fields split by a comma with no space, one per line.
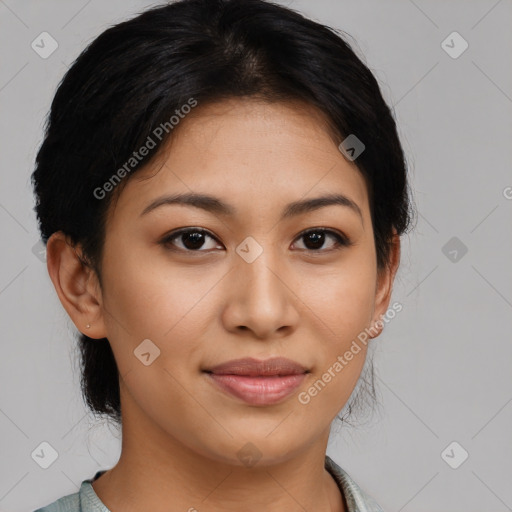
[384,287]
[76,285]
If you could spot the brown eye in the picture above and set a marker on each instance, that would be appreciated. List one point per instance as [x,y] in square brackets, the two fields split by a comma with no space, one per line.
[315,239]
[191,239]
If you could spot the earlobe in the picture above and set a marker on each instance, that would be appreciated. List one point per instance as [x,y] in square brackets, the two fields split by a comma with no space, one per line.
[76,285]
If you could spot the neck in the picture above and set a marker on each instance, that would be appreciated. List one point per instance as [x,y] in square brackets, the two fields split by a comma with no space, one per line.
[157,472]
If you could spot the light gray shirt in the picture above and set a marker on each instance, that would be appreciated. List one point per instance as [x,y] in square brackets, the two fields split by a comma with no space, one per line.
[86,500]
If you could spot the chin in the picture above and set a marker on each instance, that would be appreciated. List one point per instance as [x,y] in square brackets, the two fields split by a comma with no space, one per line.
[256,448]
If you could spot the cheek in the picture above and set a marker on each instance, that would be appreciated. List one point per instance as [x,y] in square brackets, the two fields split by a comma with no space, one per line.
[343,307]
[170,308]
[342,301]
[149,298]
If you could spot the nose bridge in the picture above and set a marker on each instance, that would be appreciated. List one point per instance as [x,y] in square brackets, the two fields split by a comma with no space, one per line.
[259,265]
[261,296]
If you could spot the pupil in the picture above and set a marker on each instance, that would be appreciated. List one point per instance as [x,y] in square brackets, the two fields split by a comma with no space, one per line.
[195,238]
[317,238]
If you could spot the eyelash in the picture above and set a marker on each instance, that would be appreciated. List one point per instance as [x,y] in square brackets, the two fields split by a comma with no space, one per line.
[341,240]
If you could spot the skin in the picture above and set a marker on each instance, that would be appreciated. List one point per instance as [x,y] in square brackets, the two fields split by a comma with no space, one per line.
[181,435]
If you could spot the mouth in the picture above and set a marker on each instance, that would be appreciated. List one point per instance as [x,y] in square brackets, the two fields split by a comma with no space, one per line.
[258,382]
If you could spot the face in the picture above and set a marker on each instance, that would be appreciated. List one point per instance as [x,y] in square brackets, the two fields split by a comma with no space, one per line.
[187,287]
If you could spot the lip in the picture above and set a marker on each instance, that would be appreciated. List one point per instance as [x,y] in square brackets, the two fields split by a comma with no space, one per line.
[251,367]
[258,382]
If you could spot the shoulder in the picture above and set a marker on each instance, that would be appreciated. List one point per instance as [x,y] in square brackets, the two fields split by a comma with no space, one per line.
[85,500]
[69,503]
[357,499]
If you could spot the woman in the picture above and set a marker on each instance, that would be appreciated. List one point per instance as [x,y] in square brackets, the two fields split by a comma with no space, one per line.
[222,192]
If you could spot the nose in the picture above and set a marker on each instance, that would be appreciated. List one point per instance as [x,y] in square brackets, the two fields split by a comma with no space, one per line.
[261,299]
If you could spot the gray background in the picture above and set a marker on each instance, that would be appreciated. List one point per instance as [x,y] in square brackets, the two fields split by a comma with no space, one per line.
[443,364]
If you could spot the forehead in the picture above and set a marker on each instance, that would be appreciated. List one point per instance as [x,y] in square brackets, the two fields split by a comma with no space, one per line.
[248,152]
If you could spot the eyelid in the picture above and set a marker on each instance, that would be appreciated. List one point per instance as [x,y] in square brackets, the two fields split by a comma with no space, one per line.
[167,238]
[329,231]
[342,240]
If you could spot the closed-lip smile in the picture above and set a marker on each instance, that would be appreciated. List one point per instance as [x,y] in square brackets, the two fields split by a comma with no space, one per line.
[258,382]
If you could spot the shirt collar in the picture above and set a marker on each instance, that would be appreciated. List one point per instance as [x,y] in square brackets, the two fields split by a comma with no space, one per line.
[357,500]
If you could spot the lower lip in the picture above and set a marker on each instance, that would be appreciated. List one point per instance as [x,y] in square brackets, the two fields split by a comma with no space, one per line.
[258,390]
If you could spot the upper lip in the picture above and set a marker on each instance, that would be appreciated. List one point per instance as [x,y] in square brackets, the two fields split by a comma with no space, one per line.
[253,367]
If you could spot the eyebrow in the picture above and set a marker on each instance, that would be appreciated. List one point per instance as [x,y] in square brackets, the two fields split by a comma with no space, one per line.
[217,206]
